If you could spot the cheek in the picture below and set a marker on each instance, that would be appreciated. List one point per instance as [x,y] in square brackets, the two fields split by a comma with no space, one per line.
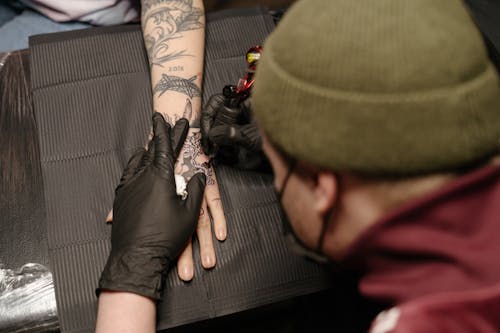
[301,216]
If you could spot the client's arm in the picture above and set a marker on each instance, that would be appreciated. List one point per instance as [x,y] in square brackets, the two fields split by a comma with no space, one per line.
[125,312]
[174,34]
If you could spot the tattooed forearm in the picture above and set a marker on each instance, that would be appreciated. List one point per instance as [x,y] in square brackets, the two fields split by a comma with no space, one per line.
[179,84]
[175,56]
[164,20]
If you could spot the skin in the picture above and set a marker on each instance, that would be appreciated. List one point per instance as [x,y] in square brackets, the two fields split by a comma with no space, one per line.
[309,197]
[125,312]
[313,196]
[174,32]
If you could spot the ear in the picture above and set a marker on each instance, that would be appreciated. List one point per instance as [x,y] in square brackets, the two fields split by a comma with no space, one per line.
[326,192]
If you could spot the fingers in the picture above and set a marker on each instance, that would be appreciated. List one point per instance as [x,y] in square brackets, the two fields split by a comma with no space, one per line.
[223,135]
[109,218]
[208,114]
[178,135]
[228,116]
[132,166]
[214,202]
[246,136]
[185,263]
[250,137]
[148,157]
[195,189]
[204,234]
[163,157]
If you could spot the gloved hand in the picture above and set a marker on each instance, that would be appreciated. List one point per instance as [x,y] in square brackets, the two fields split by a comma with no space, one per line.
[230,133]
[151,223]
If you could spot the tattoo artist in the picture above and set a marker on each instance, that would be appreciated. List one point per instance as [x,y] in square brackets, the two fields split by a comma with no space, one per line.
[373,158]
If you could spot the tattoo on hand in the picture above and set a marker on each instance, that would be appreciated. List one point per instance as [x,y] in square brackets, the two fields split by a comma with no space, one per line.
[194,121]
[188,163]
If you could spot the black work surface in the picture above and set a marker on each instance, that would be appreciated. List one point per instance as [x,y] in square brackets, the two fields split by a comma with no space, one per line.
[92,102]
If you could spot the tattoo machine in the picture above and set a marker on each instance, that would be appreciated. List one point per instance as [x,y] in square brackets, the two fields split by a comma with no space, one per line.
[236,94]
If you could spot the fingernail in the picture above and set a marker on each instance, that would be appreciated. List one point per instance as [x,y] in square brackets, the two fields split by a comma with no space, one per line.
[221,235]
[208,261]
[187,273]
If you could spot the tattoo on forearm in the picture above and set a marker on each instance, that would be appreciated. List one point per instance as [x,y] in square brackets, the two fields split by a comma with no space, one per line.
[194,118]
[176,69]
[188,110]
[179,84]
[169,119]
[164,21]
[170,18]
[189,164]
[194,121]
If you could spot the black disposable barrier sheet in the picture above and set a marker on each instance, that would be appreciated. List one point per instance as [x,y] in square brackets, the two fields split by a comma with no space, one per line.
[92,100]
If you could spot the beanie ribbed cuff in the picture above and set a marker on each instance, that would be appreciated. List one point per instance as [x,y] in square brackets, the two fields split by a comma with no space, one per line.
[378,133]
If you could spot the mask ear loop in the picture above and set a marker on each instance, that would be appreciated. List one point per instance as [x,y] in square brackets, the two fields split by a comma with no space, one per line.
[289,171]
[319,247]
[328,218]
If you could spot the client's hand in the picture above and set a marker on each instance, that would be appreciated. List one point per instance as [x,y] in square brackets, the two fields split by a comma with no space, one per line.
[151,223]
[230,133]
[192,160]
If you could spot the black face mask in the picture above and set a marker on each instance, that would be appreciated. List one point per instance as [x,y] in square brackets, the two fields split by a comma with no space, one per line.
[293,241]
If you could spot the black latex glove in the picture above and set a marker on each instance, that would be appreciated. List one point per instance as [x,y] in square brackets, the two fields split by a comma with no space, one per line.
[151,223]
[231,134]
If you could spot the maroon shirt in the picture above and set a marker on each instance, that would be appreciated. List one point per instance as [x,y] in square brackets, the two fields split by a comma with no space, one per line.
[437,259]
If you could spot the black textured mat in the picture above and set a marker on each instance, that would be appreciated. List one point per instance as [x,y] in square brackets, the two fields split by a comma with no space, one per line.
[93,106]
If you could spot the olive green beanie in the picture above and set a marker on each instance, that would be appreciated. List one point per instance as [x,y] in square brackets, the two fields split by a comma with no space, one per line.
[379,87]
